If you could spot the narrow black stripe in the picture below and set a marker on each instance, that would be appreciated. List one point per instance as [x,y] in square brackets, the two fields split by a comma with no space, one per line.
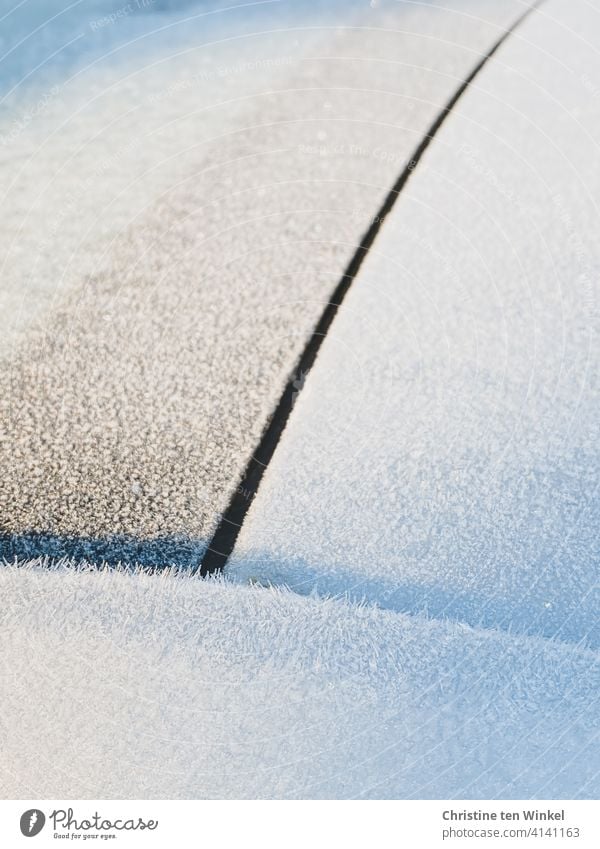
[226,534]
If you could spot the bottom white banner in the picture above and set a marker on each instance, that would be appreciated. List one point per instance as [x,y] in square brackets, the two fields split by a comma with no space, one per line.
[309,824]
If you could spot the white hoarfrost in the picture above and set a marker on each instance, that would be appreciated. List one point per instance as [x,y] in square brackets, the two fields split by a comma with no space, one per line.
[443,456]
[136,686]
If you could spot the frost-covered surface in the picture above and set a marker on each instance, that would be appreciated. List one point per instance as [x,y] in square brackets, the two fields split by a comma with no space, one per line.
[443,456]
[50,41]
[92,137]
[123,686]
[387,483]
[175,219]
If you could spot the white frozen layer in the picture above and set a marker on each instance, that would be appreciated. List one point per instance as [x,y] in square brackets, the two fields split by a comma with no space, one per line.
[167,247]
[443,456]
[93,134]
[133,686]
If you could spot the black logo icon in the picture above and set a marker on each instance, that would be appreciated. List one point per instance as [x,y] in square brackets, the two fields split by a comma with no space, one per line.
[32,822]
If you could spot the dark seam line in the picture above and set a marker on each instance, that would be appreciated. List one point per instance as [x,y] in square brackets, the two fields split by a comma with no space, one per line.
[226,534]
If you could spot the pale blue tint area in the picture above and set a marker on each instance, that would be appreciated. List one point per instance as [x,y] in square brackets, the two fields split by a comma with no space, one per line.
[45,42]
